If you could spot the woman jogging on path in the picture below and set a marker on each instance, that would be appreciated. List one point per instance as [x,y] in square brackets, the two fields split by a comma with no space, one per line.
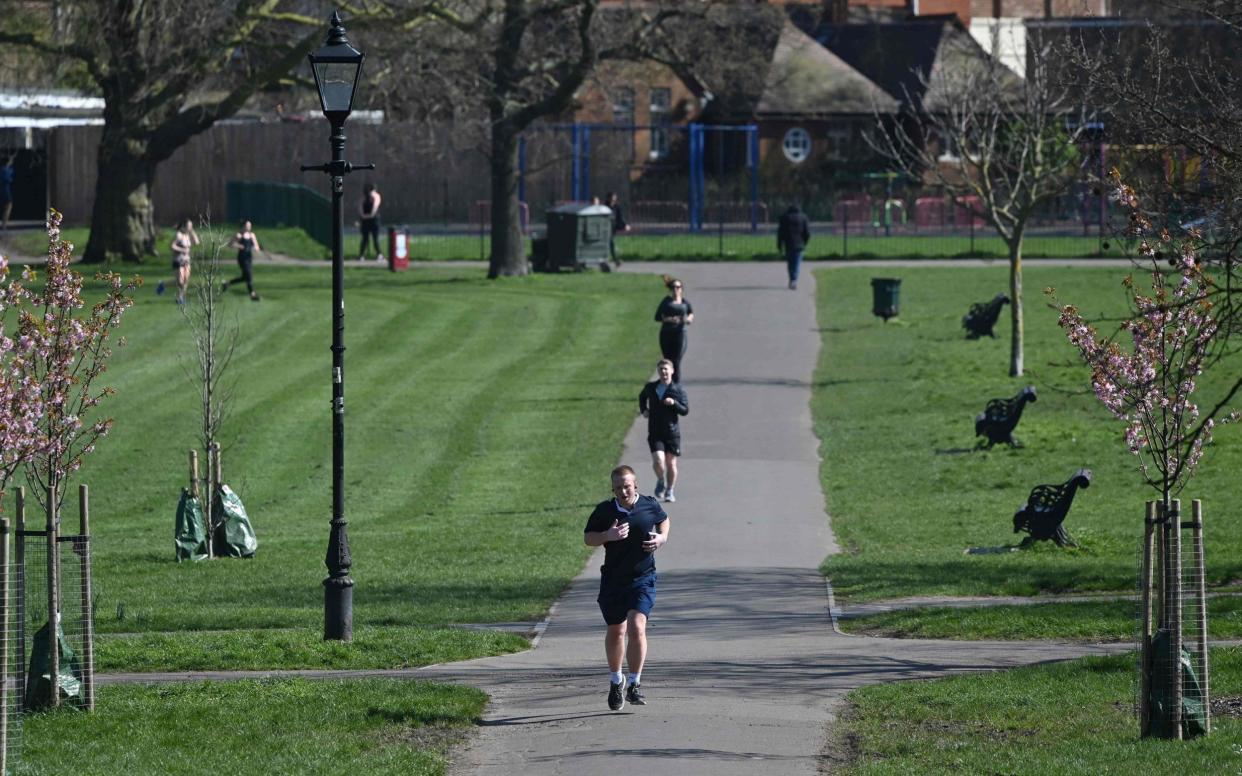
[674,313]
[246,242]
[185,239]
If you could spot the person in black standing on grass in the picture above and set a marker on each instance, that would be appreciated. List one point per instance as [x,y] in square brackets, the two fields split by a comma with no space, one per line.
[663,403]
[246,242]
[675,313]
[369,221]
[618,225]
[792,236]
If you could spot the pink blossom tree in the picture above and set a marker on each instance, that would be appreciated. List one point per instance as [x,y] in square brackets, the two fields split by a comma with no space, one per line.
[1149,383]
[21,400]
[60,349]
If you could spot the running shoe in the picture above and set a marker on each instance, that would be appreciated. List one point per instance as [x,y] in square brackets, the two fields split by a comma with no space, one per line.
[659,488]
[634,695]
[669,497]
[616,695]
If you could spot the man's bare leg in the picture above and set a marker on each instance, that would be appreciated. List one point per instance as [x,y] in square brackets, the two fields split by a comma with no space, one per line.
[614,646]
[636,653]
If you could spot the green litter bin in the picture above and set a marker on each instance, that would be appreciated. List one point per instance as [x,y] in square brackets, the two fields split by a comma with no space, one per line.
[885,296]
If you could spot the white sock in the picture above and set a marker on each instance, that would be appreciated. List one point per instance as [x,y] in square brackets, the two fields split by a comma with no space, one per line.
[615,677]
[634,679]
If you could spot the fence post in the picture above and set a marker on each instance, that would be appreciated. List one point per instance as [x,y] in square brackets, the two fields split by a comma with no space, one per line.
[1175,614]
[1200,582]
[53,596]
[1149,525]
[845,232]
[88,615]
[4,646]
[20,594]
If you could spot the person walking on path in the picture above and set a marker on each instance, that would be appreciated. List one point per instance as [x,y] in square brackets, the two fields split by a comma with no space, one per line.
[618,225]
[662,402]
[246,242]
[792,236]
[675,313]
[368,221]
[631,528]
[185,239]
[7,174]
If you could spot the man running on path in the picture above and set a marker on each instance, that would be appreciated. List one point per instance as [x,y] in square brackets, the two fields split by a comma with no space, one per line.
[661,402]
[631,528]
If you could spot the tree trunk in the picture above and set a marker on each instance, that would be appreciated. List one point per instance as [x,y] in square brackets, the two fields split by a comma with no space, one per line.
[508,255]
[122,220]
[1015,305]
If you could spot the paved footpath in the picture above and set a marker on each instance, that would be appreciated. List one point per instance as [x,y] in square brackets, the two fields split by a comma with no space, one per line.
[745,671]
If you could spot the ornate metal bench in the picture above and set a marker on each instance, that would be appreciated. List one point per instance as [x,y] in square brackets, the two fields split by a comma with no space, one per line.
[1043,514]
[1000,416]
[982,317]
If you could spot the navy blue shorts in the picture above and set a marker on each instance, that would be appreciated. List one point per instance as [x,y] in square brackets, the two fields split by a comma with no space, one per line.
[617,601]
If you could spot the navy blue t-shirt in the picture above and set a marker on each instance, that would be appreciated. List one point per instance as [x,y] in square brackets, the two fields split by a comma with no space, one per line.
[626,560]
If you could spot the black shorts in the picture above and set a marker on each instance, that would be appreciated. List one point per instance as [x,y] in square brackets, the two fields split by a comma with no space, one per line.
[617,601]
[668,443]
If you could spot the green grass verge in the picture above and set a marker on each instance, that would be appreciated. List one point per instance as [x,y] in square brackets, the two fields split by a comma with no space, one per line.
[1067,718]
[684,246]
[255,727]
[1084,621]
[708,246]
[287,241]
[391,646]
[482,420]
[894,408]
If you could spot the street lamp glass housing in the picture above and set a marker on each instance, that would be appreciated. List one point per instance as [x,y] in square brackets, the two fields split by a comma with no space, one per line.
[337,66]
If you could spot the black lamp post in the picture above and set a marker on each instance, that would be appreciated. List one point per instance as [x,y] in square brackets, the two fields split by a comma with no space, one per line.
[336,66]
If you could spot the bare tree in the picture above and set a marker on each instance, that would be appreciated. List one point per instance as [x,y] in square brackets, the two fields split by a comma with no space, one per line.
[495,68]
[1169,81]
[168,70]
[215,341]
[983,135]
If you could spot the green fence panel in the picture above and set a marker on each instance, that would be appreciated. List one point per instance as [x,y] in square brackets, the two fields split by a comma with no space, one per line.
[272,204]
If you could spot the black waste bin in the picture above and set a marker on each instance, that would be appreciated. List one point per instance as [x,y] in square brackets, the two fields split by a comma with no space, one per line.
[578,234]
[539,253]
[885,296]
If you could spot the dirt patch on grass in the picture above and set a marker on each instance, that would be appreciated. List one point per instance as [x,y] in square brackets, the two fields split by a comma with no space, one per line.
[1228,706]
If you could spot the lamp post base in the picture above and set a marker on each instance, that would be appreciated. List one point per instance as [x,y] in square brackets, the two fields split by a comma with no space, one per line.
[338,609]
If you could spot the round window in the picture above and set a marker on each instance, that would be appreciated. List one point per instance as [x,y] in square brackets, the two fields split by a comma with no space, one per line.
[797,145]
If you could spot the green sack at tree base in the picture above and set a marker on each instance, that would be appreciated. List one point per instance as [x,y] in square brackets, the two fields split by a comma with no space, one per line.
[39,678]
[190,535]
[234,537]
[1194,718]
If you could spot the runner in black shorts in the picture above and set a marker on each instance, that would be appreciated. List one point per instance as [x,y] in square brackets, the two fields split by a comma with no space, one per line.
[631,528]
[662,402]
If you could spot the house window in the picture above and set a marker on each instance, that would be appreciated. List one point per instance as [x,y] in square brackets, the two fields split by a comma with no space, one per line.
[661,105]
[839,142]
[623,106]
[797,145]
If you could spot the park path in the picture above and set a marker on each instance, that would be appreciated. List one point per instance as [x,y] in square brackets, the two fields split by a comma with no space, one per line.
[746,670]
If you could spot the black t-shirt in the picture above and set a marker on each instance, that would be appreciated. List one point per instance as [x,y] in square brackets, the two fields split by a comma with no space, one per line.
[626,560]
[669,307]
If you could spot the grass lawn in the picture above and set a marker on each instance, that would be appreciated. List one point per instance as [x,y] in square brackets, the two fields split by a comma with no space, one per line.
[387,726]
[710,246]
[288,241]
[894,407]
[1066,718]
[637,246]
[483,418]
[1083,621]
